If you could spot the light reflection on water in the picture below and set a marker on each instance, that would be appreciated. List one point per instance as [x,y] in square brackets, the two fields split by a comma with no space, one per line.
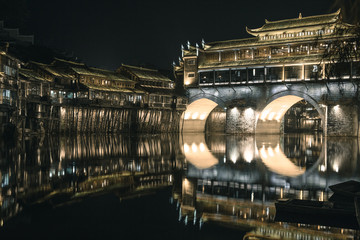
[236,176]
[254,171]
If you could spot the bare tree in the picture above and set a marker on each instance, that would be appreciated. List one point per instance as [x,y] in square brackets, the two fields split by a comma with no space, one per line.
[344,48]
[350,10]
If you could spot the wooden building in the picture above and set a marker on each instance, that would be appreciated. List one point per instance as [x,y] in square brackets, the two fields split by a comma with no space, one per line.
[159,88]
[279,51]
[9,80]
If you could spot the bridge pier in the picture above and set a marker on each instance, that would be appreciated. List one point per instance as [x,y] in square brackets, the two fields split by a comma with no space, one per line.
[240,120]
[342,120]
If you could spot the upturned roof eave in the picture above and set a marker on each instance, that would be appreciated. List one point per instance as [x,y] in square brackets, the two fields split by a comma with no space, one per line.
[333,18]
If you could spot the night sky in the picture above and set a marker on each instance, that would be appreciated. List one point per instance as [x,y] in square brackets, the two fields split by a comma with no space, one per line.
[143,32]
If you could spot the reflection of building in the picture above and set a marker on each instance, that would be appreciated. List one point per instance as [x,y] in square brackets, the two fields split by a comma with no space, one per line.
[302,117]
[33,169]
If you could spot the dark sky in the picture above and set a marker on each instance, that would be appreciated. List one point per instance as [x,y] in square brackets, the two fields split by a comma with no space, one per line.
[106,33]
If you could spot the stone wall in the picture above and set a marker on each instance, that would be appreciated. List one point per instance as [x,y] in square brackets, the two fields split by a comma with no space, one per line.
[342,120]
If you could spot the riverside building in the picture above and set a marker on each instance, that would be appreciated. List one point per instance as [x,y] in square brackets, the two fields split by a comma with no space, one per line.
[247,85]
[279,51]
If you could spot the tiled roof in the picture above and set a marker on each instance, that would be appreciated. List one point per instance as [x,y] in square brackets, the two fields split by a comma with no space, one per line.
[146,73]
[231,43]
[47,68]
[115,76]
[84,71]
[31,75]
[63,61]
[297,22]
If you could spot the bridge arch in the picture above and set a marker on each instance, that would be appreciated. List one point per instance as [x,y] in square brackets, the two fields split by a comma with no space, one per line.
[198,110]
[268,121]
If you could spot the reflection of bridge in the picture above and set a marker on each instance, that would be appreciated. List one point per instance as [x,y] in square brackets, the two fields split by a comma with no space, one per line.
[256,80]
[261,160]
[249,207]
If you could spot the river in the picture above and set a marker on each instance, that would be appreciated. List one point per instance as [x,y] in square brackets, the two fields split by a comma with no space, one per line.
[169,186]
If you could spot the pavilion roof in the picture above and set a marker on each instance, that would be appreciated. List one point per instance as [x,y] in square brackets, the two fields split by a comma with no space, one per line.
[297,22]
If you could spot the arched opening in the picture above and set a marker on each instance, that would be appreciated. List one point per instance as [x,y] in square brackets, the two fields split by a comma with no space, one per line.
[303,115]
[194,118]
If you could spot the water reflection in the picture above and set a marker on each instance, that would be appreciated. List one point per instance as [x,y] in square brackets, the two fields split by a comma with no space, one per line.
[35,170]
[231,179]
[254,172]
[197,152]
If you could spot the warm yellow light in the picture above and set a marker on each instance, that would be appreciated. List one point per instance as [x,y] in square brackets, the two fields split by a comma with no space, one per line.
[186,148]
[195,115]
[248,154]
[264,114]
[271,116]
[234,156]
[203,116]
[277,149]
[270,151]
[202,147]
[263,152]
[194,147]
[187,115]
[249,112]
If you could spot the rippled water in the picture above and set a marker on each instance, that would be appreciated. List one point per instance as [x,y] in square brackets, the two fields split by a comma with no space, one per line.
[169,186]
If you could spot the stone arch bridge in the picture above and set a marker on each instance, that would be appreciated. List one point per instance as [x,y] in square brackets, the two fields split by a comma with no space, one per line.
[259,109]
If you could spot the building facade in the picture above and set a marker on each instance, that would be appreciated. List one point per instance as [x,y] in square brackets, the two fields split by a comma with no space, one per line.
[66,96]
[279,51]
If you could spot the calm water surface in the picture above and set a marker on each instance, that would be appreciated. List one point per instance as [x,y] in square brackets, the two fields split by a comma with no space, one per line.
[190,186]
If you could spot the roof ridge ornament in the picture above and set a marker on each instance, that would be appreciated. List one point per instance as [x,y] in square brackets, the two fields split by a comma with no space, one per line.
[300,16]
